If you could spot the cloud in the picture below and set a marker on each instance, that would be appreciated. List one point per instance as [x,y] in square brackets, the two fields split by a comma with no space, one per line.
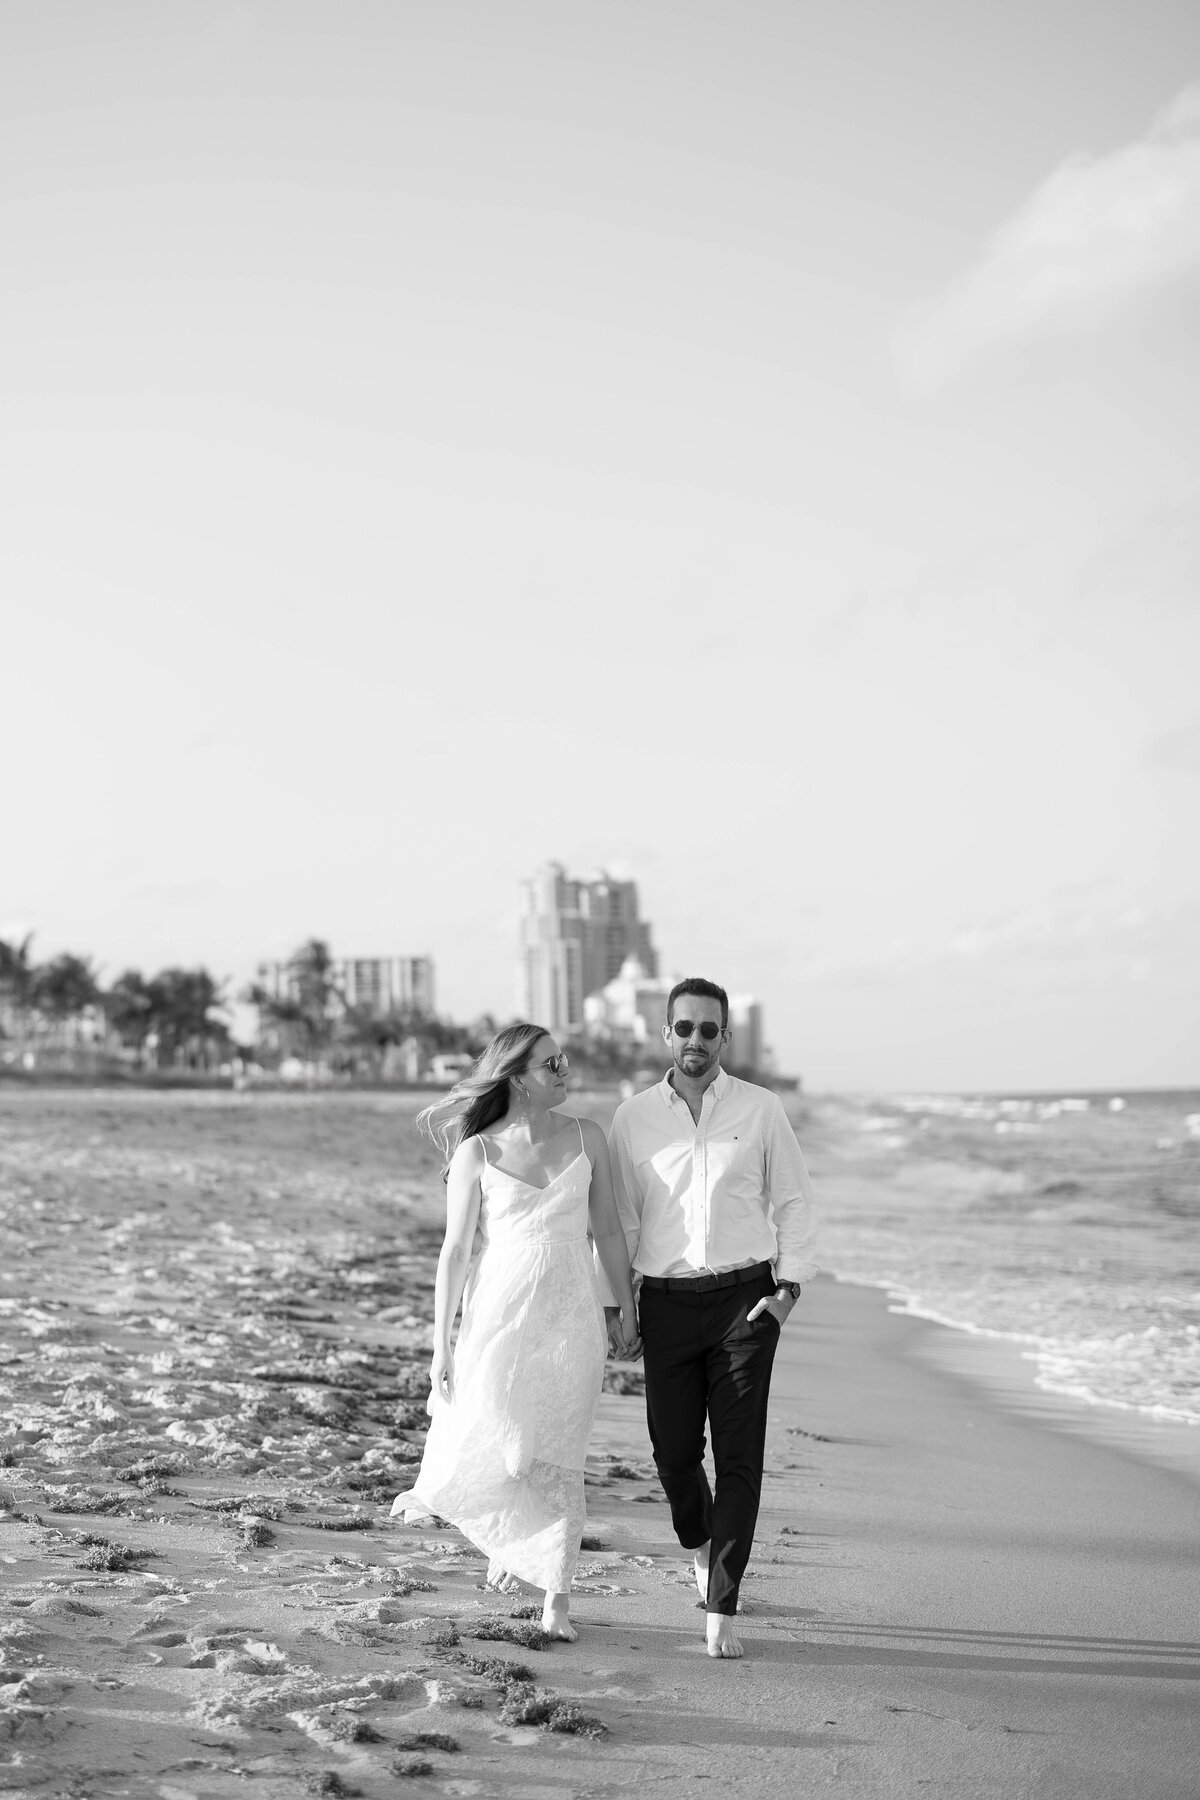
[179,893]
[1154,563]
[1097,233]
[1178,750]
[1045,946]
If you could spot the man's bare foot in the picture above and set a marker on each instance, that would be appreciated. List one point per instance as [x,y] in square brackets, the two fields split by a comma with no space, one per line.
[700,1564]
[555,1620]
[499,1578]
[722,1638]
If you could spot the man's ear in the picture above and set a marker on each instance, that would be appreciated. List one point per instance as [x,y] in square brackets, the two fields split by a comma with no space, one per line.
[666,1034]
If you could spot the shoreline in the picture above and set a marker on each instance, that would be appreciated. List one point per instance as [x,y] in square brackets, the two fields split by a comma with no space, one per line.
[948,1594]
[1007,1373]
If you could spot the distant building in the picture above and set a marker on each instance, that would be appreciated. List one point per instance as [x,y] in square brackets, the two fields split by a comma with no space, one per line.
[404,1061]
[633,1010]
[748,1050]
[574,938]
[387,984]
[375,985]
[630,1009]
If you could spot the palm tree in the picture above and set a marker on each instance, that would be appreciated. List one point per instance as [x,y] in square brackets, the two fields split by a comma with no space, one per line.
[129,1008]
[16,981]
[307,1016]
[182,1007]
[316,991]
[64,987]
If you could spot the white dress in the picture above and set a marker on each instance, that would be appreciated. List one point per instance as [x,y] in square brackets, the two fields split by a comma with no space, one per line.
[504,1459]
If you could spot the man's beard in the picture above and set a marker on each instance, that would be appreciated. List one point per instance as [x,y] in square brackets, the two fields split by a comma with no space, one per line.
[694,1062]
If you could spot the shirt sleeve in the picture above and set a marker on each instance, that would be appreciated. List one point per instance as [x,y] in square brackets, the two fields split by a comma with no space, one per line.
[793,1203]
[625,1189]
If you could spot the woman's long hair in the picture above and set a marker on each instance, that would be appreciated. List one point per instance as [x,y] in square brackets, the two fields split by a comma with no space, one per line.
[481,1097]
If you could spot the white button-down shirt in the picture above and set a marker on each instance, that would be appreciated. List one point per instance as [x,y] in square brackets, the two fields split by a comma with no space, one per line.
[721,1194]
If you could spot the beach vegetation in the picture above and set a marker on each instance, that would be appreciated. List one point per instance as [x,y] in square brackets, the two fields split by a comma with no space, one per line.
[64,987]
[58,1017]
[16,982]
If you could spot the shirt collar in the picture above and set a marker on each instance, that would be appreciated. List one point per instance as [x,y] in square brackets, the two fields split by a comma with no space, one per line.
[717,1087]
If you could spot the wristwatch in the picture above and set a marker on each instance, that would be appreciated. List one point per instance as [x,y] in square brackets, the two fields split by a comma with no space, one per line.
[790,1287]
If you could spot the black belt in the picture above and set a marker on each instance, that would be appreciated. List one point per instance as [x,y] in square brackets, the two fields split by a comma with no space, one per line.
[702,1284]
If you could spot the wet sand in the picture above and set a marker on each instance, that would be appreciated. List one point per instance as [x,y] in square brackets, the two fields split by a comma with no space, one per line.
[214,1317]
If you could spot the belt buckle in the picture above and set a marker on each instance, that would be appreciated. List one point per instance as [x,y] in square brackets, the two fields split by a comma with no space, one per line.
[705,1283]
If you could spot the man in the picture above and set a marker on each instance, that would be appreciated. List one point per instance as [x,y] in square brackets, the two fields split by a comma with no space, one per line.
[718,1210]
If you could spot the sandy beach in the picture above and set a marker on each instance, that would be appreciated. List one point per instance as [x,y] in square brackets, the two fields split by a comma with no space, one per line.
[214,1316]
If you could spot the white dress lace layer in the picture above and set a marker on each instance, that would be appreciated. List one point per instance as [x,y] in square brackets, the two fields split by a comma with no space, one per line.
[504,1460]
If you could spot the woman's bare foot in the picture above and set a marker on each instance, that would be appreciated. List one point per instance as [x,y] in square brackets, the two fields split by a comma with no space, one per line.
[722,1638]
[555,1620]
[700,1564]
[499,1578]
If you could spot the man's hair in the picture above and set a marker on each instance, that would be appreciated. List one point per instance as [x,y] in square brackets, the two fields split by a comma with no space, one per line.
[703,990]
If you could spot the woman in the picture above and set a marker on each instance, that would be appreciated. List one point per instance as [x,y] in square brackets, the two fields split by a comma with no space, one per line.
[513,1403]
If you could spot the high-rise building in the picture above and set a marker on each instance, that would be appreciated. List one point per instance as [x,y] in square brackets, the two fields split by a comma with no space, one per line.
[386,984]
[747,1050]
[371,984]
[574,938]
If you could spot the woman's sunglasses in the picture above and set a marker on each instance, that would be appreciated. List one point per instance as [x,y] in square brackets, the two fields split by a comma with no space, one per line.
[557,1065]
[708,1031]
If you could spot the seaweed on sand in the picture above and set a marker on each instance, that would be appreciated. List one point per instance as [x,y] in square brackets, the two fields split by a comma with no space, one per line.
[495,1669]
[528,1705]
[254,1535]
[107,1557]
[427,1740]
[492,1628]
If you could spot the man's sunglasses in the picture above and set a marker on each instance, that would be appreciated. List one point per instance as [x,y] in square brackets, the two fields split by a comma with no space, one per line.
[708,1031]
[557,1065]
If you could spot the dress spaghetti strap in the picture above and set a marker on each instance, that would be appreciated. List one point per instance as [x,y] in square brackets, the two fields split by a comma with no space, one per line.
[582,1145]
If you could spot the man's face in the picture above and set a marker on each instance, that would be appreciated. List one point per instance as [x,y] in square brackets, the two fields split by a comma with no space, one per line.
[693,1053]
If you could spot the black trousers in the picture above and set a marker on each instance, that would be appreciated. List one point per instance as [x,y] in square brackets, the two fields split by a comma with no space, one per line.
[705,1361]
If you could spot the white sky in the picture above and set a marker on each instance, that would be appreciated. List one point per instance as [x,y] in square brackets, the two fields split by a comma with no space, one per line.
[755,448]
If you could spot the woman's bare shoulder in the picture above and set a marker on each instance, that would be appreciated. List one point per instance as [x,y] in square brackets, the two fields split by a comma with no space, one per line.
[470,1155]
[594,1139]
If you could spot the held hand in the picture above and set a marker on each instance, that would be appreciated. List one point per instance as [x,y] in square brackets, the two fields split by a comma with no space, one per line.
[624,1344]
[441,1375]
[631,1347]
[612,1324]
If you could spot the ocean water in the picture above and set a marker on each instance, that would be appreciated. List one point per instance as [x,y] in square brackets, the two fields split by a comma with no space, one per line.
[1068,1224]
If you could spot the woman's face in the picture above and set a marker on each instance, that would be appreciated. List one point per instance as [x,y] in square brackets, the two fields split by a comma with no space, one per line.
[545,1077]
